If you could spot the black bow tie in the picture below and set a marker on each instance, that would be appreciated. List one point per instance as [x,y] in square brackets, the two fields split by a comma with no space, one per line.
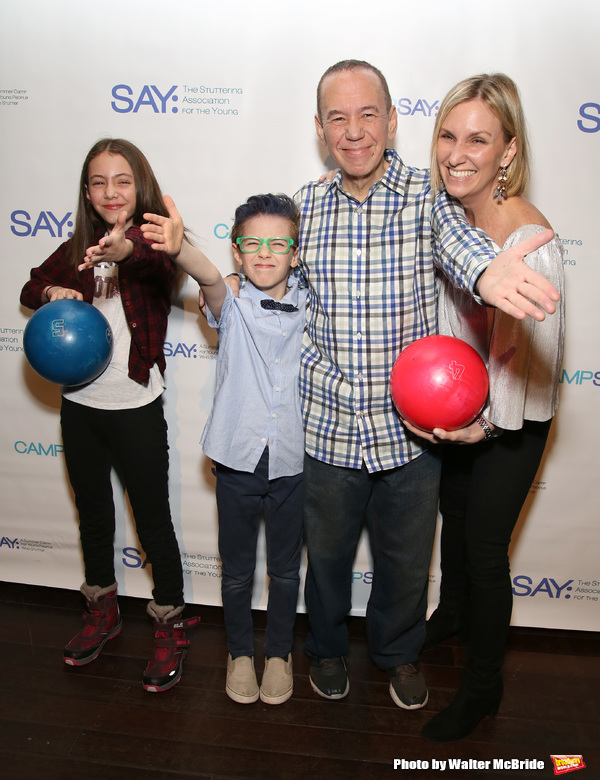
[268,303]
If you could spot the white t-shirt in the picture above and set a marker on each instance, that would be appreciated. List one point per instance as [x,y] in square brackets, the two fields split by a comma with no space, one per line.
[114,389]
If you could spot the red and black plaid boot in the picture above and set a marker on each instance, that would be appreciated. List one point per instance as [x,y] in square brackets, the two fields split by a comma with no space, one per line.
[101,622]
[170,647]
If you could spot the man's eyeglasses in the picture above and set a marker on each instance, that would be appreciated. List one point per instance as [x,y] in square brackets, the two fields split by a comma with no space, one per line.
[251,244]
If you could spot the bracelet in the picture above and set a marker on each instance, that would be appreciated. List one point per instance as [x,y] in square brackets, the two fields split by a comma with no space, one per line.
[50,286]
[487,431]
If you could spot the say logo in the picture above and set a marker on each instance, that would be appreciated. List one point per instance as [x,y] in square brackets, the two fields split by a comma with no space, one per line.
[405,107]
[126,99]
[133,558]
[187,351]
[24,224]
[590,118]
[524,586]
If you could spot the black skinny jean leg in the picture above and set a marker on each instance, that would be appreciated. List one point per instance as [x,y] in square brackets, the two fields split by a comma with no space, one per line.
[88,461]
[502,476]
[141,449]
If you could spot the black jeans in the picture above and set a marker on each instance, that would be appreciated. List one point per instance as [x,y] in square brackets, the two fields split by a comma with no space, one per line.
[399,507]
[134,442]
[242,498]
[483,489]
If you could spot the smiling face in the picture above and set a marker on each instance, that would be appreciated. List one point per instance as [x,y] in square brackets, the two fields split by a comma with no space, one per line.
[267,270]
[471,148]
[110,187]
[356,126]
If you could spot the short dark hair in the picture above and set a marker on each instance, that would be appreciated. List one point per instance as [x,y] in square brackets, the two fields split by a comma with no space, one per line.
[273,205]
[343,65]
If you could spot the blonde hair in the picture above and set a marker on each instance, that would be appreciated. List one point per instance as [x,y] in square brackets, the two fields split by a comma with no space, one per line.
[501,96]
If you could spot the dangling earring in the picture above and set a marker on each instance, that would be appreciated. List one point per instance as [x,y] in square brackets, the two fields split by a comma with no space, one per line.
[500,191]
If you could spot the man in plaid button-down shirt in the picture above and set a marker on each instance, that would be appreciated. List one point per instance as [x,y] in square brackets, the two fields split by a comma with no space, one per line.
[366,251]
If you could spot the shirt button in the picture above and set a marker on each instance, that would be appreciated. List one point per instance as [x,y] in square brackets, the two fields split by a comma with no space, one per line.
[277,389]
[277,361]
[358,293]
[358,252]
[284,333]
[273,416]
[359,336]
[359,377]
[134,324]
[360,415]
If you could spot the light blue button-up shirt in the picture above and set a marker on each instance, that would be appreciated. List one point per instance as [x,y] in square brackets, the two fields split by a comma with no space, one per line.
[257,399]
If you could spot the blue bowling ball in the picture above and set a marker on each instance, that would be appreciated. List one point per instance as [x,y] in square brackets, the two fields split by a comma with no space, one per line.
[68,342]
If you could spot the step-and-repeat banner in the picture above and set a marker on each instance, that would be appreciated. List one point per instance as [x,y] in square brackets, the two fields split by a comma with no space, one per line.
[221,98]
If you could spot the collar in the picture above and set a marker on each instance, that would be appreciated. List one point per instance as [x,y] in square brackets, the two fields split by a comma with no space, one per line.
[395,177]
[398,177]
[256,295]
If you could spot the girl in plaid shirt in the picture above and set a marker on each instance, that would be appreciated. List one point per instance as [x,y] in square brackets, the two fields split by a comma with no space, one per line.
[117,419]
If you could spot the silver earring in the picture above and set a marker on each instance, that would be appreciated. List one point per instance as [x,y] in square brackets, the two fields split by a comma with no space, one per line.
[500,191]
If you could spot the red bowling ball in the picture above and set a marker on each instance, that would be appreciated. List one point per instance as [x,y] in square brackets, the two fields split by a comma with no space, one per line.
[439,382]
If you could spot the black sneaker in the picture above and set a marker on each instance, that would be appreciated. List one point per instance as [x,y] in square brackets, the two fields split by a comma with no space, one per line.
[408,688]
[329,678]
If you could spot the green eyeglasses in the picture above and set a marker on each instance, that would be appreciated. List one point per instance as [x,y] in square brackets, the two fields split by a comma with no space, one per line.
[250,244]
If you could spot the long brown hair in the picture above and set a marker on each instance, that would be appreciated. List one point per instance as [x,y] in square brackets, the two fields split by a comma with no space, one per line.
[148,197]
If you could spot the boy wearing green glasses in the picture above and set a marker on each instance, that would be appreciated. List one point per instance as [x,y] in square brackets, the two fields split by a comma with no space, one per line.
[254,431]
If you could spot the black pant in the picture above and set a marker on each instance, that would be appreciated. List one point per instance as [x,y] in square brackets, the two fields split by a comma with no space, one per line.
[134,442]
[242,498]
[482,492]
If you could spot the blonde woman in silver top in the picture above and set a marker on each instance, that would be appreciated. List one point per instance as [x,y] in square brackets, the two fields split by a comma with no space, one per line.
[480,156]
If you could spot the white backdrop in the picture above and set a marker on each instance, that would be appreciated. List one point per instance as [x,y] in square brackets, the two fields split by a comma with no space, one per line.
[221,98]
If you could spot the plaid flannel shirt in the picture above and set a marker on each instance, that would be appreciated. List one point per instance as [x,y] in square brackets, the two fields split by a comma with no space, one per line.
[372,292]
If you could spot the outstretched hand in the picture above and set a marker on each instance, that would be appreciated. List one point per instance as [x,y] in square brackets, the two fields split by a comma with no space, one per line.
[511,285]
[166,233]
[112,248]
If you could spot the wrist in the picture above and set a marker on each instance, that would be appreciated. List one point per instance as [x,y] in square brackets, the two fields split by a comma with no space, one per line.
[128,249]
[490,431]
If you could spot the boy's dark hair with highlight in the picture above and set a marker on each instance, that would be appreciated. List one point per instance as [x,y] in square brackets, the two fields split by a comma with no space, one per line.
[271,205]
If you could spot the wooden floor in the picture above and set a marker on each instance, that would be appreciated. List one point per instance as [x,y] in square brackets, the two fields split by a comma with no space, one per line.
[98,722]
